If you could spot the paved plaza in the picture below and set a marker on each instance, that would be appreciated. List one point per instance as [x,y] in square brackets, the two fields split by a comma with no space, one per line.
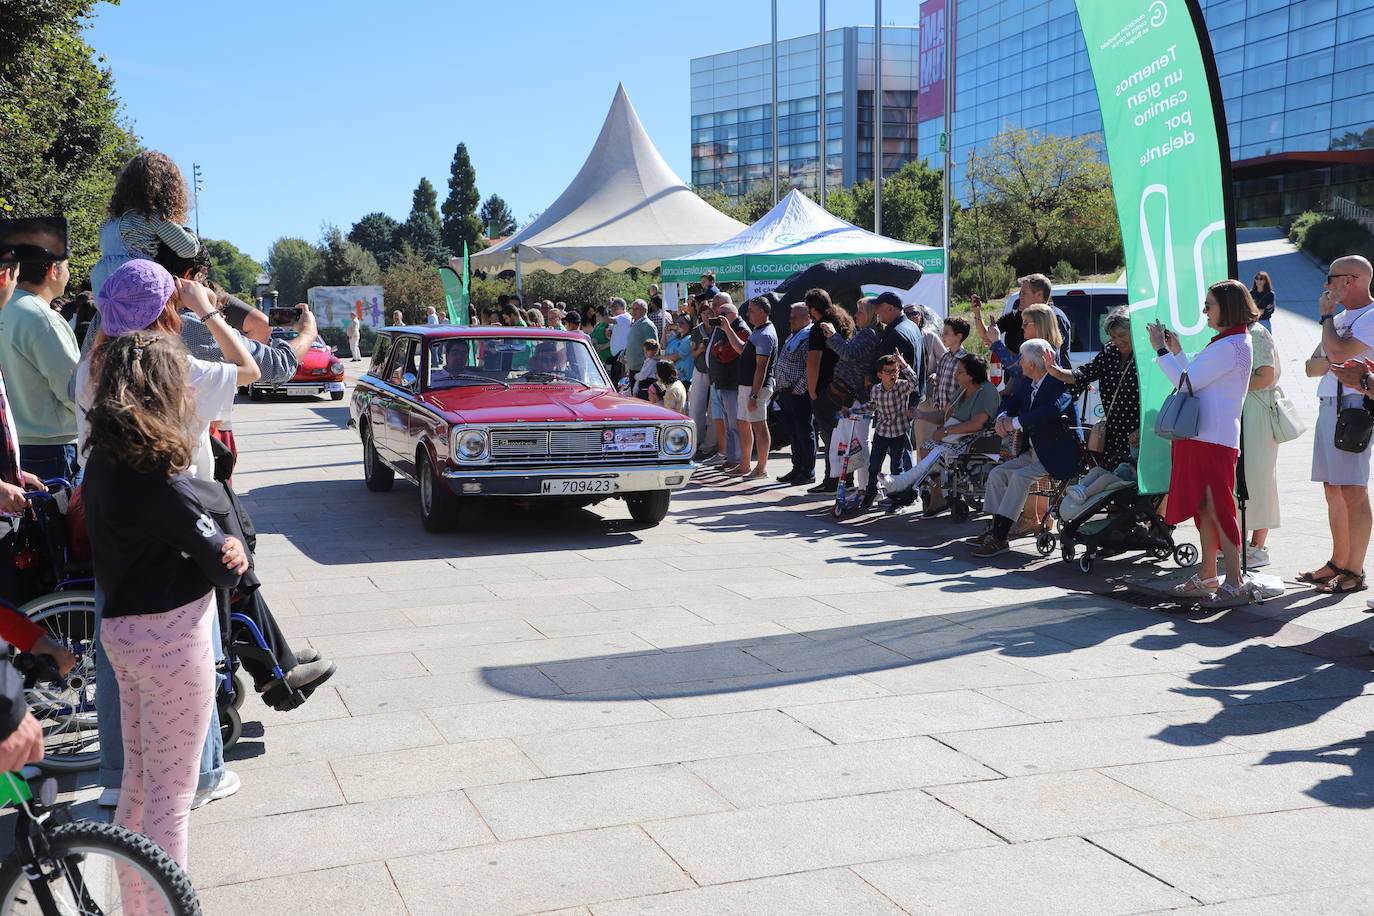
[754,709]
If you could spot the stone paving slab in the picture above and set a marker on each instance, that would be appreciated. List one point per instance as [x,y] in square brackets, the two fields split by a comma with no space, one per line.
[815,893]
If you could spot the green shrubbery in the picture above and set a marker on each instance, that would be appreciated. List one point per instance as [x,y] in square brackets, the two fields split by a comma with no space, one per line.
[1064,272]
[991,282]
[1329,238]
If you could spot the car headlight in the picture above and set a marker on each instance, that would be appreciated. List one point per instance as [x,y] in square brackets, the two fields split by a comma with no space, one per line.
[677,440]
[470,444]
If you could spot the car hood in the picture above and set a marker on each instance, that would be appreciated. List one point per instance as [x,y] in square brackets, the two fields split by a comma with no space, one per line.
[543,404]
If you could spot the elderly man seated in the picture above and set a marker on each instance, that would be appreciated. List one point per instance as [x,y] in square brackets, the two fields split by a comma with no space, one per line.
[1042,409]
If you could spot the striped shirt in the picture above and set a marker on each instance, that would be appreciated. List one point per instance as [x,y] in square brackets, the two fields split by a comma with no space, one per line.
[141,235]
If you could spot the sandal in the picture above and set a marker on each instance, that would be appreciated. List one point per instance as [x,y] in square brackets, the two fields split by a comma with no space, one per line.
[1194,587]
[1343,583]
[1311,578]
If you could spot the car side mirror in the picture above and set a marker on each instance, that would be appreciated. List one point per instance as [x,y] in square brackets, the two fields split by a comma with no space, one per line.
[409,380]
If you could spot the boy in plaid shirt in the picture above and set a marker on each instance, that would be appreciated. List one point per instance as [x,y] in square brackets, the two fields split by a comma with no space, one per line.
[891,406]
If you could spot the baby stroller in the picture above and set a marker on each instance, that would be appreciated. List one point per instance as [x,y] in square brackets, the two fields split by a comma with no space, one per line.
[1106,515]
[253,642]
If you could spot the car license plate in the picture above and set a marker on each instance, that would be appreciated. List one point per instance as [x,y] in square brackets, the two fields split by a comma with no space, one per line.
[333,386]
[620,440]
[302,392]
[577,486]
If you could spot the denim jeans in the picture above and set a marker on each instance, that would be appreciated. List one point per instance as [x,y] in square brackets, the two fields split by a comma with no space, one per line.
[107,716]
[898,447]
[49,461]
[796,410]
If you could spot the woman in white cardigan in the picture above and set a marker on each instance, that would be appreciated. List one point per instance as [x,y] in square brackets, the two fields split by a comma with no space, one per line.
[1202,484]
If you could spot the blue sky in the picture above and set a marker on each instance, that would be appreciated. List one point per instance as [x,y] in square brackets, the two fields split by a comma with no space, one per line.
[302,113]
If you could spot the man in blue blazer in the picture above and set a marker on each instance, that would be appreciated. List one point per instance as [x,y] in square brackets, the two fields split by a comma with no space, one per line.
[1043,409]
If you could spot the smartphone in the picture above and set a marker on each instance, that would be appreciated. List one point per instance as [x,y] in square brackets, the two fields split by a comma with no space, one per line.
[283,317]
[49,233]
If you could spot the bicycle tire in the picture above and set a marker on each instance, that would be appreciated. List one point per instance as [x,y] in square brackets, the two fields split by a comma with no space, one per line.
[68,717]
[77,843]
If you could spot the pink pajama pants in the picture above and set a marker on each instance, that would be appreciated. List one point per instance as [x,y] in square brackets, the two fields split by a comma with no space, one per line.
[166,672]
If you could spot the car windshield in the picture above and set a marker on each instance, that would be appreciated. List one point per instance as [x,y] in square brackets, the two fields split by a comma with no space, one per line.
[458,361]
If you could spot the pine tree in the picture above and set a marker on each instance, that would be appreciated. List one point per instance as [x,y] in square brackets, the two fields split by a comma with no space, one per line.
[497,220]
[425,200]
[378,234]
[459,224]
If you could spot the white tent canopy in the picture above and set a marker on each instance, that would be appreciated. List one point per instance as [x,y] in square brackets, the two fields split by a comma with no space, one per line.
[624,209]
[792,236]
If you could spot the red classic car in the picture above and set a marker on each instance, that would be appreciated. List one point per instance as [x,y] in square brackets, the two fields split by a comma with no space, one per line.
[514,413]
[319,373]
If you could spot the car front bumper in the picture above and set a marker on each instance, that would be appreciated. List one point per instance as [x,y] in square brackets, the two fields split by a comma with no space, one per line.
[320,387]
[568,482]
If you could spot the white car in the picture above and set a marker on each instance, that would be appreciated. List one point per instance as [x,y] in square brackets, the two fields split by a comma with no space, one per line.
[1085,304]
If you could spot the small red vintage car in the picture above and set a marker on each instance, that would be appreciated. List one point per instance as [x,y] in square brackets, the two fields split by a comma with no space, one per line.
[320,372]
[512,413]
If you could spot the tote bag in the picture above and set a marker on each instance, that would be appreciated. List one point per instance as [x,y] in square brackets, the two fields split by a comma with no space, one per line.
[1284,419]
[1179,415]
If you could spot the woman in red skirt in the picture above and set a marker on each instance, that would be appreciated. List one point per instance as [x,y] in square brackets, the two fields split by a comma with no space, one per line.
[1202,484]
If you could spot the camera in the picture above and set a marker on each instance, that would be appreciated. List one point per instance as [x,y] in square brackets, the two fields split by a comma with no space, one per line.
[283,317]
[714,322]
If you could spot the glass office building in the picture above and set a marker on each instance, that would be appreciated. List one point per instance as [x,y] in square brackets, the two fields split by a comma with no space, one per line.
[732,111]
[1297,77]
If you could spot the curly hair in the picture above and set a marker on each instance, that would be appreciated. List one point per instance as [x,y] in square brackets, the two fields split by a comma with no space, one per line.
[150,184]
[140,414]
[818,302]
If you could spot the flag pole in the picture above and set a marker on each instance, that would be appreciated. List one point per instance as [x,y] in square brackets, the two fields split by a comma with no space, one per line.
[774,56]
[878,116]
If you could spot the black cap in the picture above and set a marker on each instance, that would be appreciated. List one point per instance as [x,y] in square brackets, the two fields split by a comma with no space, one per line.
[891,299]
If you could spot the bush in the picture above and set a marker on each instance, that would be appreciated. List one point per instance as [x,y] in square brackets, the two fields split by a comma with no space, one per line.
[990,282]
[1329,239]
[1064,272]
[1297,232]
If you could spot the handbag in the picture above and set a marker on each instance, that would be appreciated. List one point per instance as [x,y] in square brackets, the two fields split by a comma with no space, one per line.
[1180,412]
[1284,420]
[1097,436]
[1354,425]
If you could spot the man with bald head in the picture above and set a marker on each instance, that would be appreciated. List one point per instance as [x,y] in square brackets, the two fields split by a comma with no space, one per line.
[1347,321]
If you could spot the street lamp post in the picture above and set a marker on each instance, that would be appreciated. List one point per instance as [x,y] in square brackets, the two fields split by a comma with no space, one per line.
[878,116]
[197,181]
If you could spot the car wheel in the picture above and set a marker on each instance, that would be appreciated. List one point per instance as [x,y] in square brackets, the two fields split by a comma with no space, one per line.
[255,394]
[438,506]
[336,395]
[649,508]
[377,474]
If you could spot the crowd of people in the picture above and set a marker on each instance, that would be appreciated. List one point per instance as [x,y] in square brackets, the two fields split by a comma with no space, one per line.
[135,413]
[908,373]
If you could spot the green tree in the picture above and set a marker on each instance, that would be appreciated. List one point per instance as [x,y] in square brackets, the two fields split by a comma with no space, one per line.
[460,223]
[343,263]
[1053,194]
[496,217]
[410,284]
[748,209]
[63,139]
[425,200]
[379,234]
[290,264]
[422,230]
[912,202]
[231,268]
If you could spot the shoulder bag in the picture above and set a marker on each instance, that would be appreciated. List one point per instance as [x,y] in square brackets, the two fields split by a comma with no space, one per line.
[1283,418]
[1180,412]
[1097,436]
[1354,425]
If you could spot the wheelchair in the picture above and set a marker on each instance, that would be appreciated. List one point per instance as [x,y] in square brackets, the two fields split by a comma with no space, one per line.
[963,473]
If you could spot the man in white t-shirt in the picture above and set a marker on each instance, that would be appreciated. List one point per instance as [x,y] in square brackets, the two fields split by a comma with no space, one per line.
[1348,342]
[355,330]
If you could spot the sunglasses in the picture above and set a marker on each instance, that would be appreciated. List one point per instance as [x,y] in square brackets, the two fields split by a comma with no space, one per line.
[1330,277]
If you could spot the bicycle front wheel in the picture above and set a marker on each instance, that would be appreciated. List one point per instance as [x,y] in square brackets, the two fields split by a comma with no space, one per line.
[84,877]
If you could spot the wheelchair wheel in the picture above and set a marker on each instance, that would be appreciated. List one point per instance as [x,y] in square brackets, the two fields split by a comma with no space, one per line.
[1045,542]
[958,511]
[71,741]
[230,726]
[240,688]
[1185,554]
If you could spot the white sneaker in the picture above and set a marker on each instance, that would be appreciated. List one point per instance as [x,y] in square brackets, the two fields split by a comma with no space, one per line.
[109,798]
[228,784]
[1255,557]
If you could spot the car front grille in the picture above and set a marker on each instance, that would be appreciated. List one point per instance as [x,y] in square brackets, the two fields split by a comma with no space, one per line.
[582,444]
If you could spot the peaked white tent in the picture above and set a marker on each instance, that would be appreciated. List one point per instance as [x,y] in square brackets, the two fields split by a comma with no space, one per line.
[795,234]
[624,209]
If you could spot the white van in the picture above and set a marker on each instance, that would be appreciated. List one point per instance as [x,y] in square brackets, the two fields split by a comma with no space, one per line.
[1085,304]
